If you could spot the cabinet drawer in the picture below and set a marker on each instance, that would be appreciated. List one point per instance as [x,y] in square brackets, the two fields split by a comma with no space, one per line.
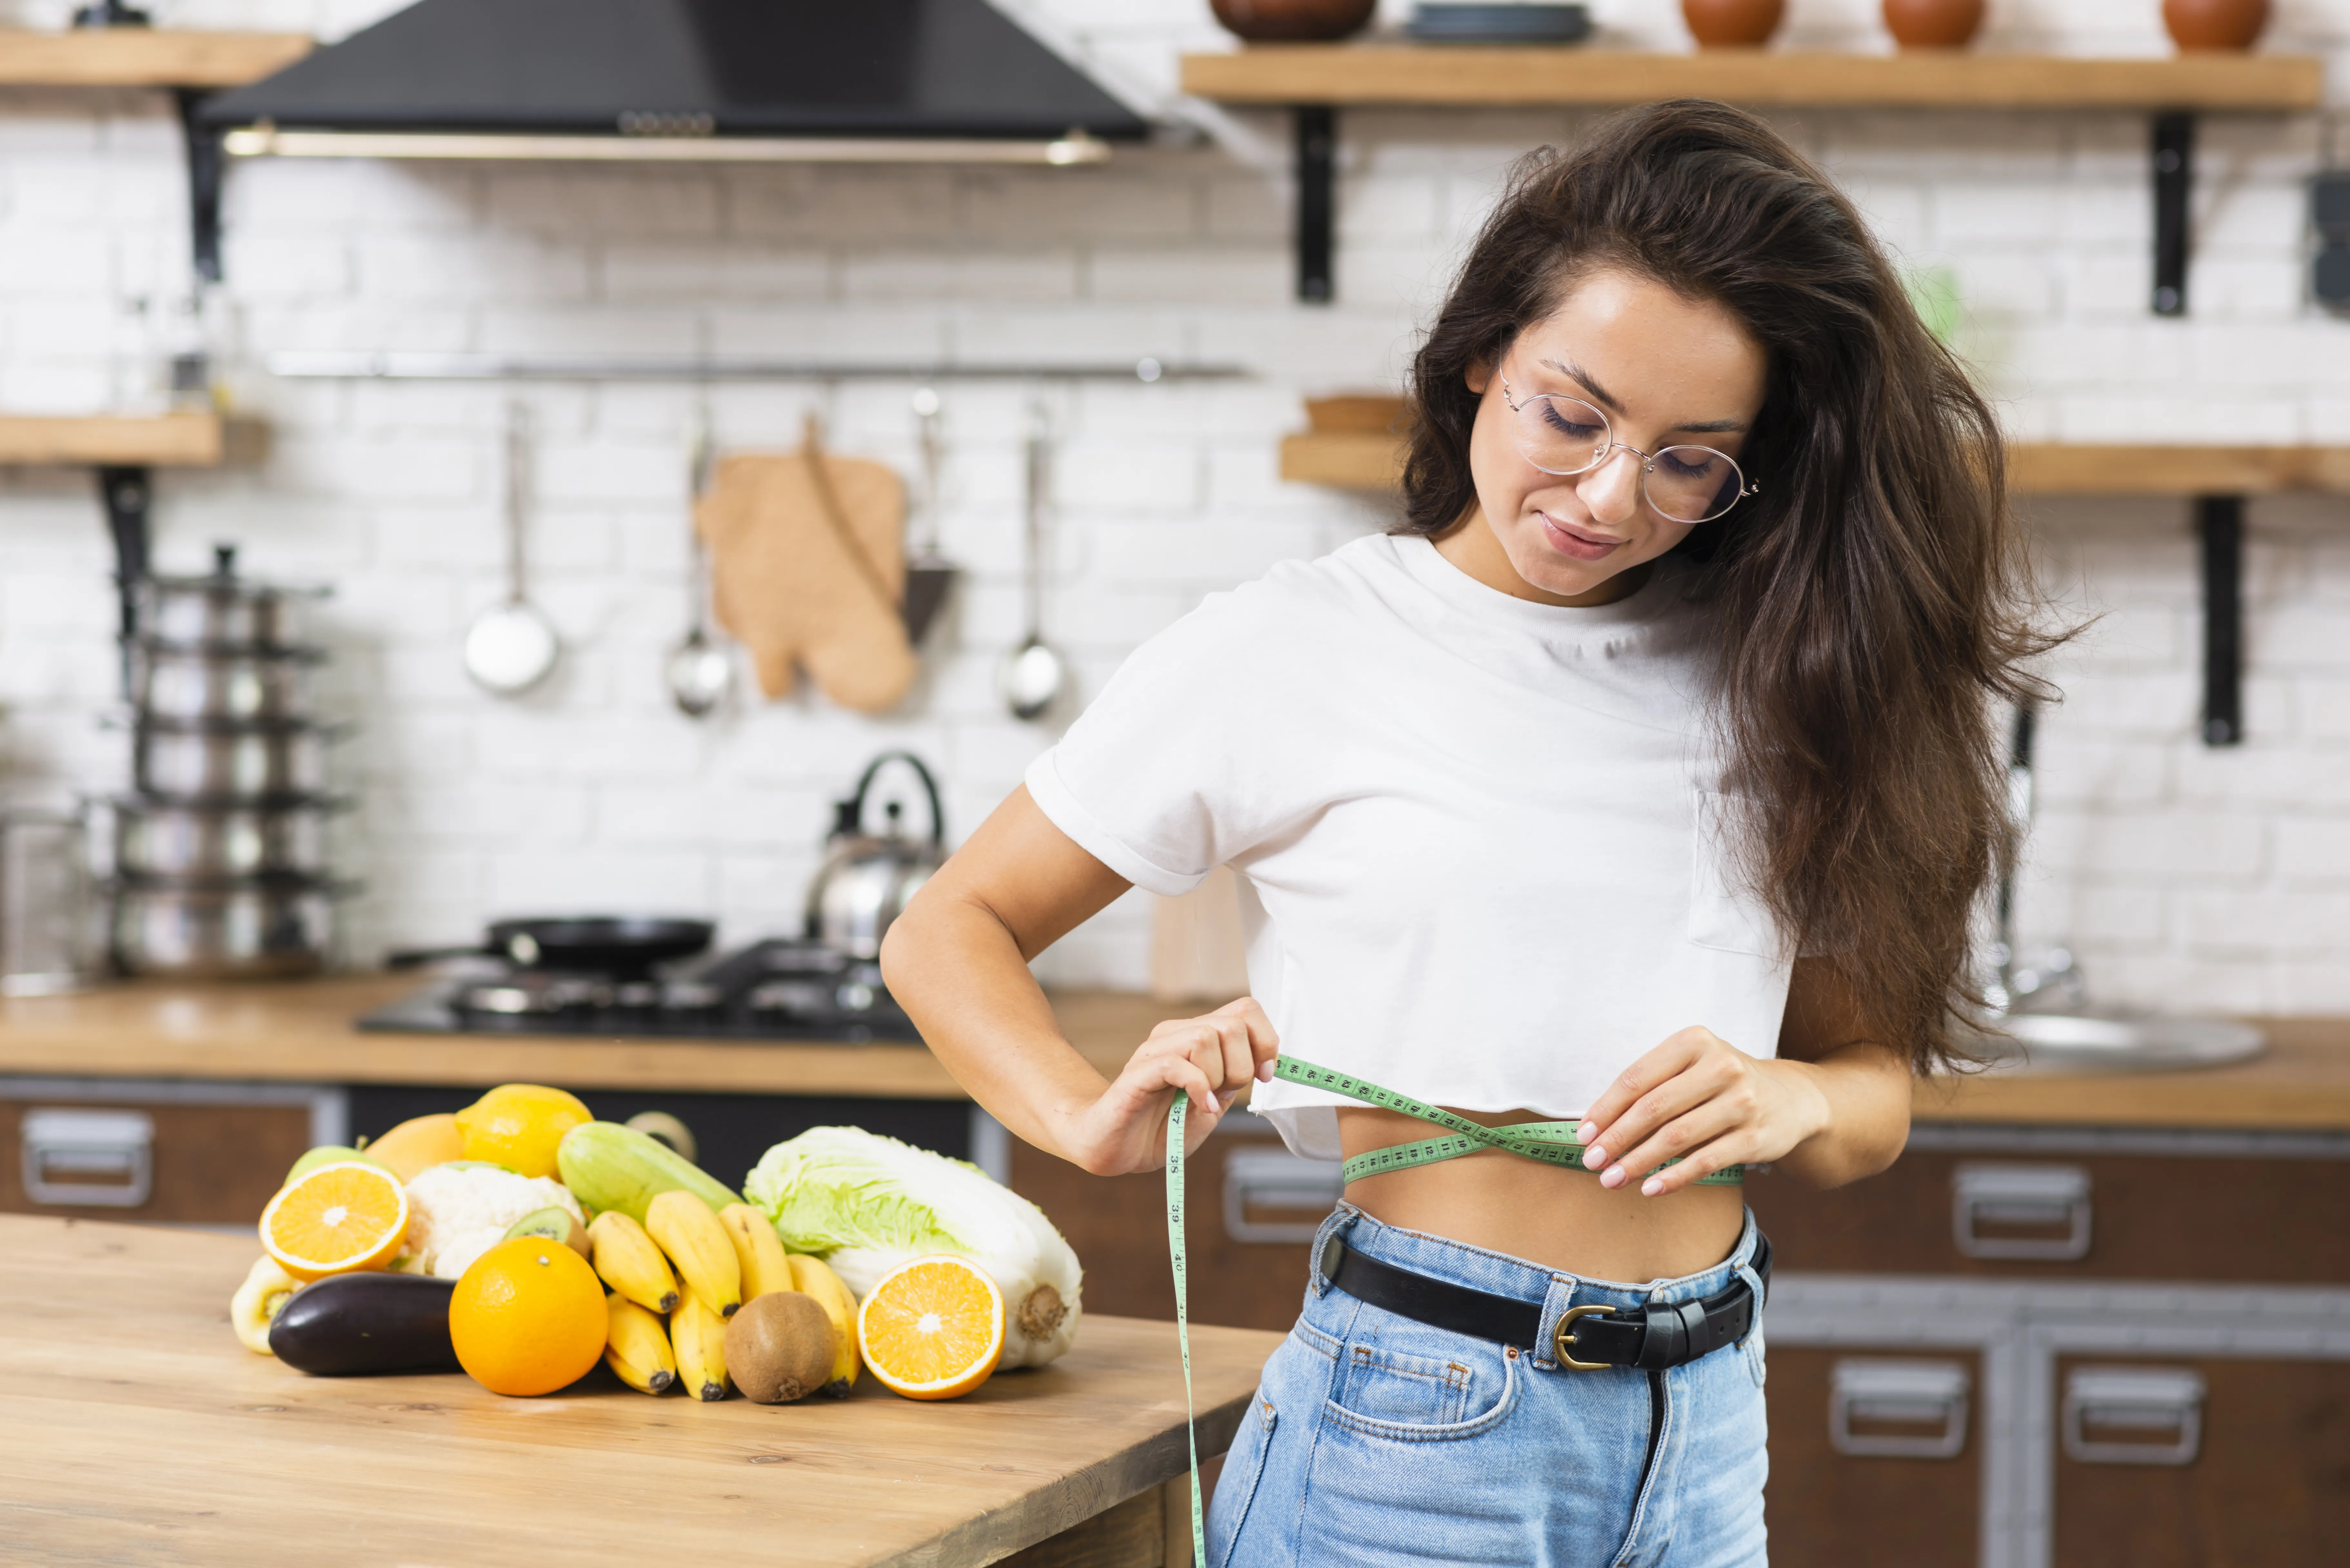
[2180,1463]
[1874,1457]
[1236,1182]
[2237,1207]
[204,1154]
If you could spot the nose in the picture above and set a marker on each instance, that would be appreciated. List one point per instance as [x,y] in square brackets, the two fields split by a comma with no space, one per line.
[1611,490]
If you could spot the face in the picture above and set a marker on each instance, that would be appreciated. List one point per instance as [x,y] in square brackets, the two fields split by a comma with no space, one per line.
[1666,371]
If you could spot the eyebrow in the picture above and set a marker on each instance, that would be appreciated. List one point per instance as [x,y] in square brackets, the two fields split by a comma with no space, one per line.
[1600,395]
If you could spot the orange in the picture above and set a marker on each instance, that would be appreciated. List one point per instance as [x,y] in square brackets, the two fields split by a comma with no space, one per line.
[527,1317]
[419,1144]
[336,1219]
[518,1126]
[932,1328]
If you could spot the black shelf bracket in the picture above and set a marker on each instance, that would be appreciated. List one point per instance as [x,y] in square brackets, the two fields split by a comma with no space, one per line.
[205,162]
[128,494]
[2174,185]
[2220,519]
[1318,201]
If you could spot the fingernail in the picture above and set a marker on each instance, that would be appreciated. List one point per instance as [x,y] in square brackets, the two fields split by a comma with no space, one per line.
[1653,1186]
[1264,1073]
[1594,1158]
[1586,1132]
[1616,1175]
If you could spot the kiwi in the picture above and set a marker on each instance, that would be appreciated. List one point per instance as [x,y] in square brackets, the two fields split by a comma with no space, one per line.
[556,1224]
[779,1348]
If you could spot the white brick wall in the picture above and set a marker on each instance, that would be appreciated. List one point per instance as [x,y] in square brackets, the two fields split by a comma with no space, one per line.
[2183,876]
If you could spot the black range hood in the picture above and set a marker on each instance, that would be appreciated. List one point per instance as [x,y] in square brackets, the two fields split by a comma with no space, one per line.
[639,78]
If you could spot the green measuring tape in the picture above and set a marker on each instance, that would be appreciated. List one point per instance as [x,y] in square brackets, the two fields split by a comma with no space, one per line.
[1551,1142]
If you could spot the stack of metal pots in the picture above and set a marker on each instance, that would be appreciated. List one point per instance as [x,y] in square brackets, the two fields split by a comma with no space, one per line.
[219,854]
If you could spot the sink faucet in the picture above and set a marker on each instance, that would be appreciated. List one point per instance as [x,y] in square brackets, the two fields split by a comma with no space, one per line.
[2050,982]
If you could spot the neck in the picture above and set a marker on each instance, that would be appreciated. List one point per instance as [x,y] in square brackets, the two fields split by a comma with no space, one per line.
[1472,547]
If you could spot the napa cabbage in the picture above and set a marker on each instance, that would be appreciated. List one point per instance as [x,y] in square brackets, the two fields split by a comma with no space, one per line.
[865,1203]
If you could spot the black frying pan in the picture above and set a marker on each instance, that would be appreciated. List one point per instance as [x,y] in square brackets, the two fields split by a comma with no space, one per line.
[614,944]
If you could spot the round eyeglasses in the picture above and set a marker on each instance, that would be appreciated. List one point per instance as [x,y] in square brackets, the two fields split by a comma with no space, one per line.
[1565,435]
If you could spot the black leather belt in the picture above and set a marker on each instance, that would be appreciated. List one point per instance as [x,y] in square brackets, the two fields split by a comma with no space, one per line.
[1587,1338]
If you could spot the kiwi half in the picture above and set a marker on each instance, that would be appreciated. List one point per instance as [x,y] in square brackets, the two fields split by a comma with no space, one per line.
[554,1223]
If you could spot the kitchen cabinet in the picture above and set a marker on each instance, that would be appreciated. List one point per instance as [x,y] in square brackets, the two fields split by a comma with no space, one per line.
[2155,1326]
[161,1152]
[2086,1204]
[1873,1458]
[2201,1463]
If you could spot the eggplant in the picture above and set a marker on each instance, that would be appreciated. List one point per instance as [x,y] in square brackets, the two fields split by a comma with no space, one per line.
[367,1323]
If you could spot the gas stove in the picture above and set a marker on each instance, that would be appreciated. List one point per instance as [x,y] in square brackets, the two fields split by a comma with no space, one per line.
[781,989]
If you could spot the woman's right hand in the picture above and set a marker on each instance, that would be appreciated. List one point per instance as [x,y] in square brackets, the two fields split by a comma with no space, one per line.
[1210,1058]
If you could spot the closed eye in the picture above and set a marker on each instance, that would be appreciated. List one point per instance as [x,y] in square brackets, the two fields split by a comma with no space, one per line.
[1564,425]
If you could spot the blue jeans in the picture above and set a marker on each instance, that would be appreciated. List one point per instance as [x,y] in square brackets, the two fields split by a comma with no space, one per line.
[1375,1438]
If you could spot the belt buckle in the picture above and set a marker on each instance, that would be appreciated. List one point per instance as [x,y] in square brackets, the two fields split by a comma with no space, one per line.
[1563,1339]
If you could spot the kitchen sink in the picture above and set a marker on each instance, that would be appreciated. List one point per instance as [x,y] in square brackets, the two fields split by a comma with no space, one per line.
[2114,1042]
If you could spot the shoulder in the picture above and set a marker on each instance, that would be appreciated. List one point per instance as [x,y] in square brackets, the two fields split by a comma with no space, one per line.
[1344,593]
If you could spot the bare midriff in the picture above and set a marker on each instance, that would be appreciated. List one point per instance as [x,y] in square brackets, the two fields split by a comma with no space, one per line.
[1553,1215]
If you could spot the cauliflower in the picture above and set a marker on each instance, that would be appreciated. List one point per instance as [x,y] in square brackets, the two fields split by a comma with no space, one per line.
[459,1212]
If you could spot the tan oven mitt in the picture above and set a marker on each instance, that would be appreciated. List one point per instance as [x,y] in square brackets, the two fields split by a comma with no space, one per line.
[807,568]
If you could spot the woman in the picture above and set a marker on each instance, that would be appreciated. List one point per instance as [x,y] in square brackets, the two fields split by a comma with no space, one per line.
[1644,778]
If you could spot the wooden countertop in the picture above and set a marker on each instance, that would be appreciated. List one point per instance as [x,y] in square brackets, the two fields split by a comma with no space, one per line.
[160,1439]
[301,1032]
[2301,1084]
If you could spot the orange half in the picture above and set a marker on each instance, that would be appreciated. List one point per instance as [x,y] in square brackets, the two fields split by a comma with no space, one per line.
[932,1328]
[336,1220]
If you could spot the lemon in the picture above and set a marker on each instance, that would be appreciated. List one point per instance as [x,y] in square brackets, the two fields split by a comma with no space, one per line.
[518,1126]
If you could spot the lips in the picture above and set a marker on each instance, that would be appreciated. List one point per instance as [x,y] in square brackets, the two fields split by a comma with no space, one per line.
[1568,540]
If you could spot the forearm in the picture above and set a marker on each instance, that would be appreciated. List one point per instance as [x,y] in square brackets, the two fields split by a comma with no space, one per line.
[959,972]
[1861,1098]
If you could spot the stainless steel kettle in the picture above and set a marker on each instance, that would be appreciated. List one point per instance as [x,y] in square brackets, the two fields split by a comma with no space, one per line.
[867,879]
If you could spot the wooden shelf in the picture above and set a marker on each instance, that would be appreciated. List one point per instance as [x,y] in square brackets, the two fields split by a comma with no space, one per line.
[1364,74]
[145,57]
[1360,459]
[160,440]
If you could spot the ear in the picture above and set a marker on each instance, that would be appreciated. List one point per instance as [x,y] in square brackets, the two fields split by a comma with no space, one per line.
[1480,376]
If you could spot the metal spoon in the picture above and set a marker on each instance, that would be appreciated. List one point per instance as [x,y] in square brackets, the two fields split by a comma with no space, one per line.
[511,646]
[1031,674]
[701,673]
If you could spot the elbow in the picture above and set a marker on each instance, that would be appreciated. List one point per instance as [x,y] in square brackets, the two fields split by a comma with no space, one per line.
[901,946]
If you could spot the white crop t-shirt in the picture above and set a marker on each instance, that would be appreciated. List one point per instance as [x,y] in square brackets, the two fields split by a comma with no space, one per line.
[1475,838]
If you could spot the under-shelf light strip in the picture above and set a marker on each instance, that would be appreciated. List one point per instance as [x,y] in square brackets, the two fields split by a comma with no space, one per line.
[331,364]
[267,141]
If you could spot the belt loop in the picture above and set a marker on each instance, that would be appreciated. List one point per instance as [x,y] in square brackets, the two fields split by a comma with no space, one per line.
[1745,1271]
[1333,1225]
[1561,1296]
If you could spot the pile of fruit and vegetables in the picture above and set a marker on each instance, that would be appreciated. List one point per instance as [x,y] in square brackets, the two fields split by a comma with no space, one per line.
[524,1241]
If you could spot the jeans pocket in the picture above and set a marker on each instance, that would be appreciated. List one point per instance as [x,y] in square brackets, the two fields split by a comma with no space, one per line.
[1413,1396]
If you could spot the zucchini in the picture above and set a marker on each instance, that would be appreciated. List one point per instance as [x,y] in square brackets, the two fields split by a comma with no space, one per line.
[367,1323]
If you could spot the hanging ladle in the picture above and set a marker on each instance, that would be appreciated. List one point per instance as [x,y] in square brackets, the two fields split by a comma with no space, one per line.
[512,645]
[1031,674]
[700,673]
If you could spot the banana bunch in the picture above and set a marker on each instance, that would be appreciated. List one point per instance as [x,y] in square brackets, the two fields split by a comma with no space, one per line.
[677,1277]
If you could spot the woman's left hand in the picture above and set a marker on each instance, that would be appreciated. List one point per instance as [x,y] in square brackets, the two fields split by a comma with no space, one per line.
[1699,1099]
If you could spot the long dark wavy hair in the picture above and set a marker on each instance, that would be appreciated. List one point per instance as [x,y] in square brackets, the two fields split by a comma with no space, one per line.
[1867,608]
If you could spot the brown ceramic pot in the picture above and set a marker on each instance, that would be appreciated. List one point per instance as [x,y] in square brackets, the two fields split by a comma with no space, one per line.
[1933,24]
[1292,20]
[2215,23]
[1732,23]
